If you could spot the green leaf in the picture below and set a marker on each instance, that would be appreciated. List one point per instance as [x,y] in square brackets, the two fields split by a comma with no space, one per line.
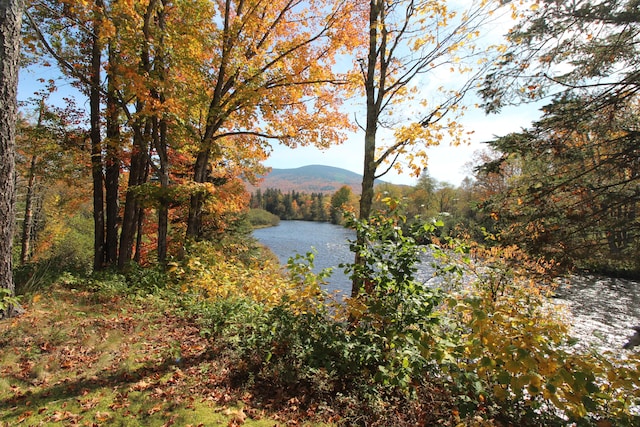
[503,377]
[589,404]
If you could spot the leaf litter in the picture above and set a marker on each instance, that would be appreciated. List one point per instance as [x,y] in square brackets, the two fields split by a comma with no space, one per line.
[74,359]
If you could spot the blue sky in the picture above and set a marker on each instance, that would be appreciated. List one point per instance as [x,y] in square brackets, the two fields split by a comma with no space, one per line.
[446,163]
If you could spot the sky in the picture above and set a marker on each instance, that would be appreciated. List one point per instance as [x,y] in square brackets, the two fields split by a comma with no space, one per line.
[446,163]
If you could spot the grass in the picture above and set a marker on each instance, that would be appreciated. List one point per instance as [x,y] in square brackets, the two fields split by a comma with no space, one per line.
[78,359]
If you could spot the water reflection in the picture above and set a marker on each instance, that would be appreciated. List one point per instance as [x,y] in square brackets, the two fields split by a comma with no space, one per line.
[329,241]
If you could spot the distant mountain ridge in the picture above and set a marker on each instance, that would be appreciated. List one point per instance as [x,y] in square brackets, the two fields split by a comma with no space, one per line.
[311,179]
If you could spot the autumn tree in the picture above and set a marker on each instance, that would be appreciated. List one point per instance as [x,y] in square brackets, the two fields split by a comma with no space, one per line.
[269,78]
[10,22]
[421,198]
[72,34]
[341,201]
[34,142]
[409,41]
[575,197]
[51,163]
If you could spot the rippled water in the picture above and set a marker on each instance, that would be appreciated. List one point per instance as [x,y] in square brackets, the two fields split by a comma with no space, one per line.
[601,310]
[329,241]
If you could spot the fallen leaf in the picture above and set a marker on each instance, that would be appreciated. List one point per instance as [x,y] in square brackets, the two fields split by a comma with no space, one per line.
[238,417]
[155,409]
[102,416]
[89,403]
[24,416]
[140,385]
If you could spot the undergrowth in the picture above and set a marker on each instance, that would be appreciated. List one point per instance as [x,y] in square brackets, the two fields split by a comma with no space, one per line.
[230,338]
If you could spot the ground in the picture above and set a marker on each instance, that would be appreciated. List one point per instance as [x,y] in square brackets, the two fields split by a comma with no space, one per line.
[77,359]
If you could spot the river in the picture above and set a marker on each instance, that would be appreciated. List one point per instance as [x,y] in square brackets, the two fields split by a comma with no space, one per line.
[602,310]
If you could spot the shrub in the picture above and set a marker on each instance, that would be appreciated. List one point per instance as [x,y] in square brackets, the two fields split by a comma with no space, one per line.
[213,274]
[508,351]
[260,218]
[394,312]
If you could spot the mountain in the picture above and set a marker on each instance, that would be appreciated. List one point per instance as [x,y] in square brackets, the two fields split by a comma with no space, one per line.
[311,179]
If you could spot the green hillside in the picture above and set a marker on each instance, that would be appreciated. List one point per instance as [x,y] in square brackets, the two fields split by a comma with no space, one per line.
[311,179]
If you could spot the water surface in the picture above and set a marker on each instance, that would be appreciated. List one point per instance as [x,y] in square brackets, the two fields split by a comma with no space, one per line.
[601,310]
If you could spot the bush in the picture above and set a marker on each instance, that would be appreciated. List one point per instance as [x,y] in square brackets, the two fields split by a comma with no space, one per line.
[260,218]
[394,312]
[508,351]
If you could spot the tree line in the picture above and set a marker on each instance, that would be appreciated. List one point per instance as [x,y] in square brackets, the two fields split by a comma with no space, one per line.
[292,205]
[296,205]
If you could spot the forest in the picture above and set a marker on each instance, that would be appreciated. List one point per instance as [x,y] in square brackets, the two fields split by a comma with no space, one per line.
[132,293]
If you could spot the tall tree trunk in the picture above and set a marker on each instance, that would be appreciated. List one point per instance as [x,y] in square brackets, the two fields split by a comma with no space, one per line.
[163,208]
[132,217]
[27,224]
[161,143]
[376,17]
[194,222]
[96,148]
[112,169]
[136,177]
[10,22]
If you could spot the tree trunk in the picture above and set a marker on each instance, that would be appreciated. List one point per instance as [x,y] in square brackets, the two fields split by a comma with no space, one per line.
[10,22]
[163,208]
[96,149]
[194,222]
[374,98]
[162,145]
[27,224]
[130,215]
[112,171]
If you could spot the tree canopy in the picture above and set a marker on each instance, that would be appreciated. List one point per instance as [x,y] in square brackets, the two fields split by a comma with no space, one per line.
[195,94]
[573,190]
[585,47]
